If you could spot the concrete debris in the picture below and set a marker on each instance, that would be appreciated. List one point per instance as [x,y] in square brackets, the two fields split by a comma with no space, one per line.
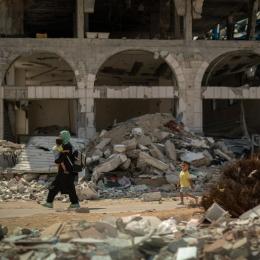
[149,160]
[149,149]
[196,159]
[153,196]
[9,153]
[112,163]
[215,213]
[135,237]
[146,150]
[104,142]
[86,192]
[170,150]
[119,148]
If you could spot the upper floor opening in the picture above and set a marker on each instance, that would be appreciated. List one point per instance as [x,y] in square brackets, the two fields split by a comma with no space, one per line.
[131,19]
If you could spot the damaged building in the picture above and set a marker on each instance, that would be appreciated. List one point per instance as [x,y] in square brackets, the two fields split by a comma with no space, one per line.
[85,65]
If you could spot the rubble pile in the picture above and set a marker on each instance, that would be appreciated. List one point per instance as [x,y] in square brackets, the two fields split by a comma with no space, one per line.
[238,189]
[137,237]
[9,153]
[149,149]
[29,187]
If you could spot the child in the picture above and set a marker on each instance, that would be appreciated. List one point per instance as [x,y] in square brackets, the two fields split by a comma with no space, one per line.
[57,150]
[186,183]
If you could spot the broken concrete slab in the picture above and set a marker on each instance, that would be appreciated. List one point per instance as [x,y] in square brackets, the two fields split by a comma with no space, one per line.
[146,158]
[126,164]
[187,253]
[144,140]
[152,196]
[156,153]
[104,142]
[196,159]
[215,213]
[119,148]
[170,150]
[130,144]
[111,163]
[222,155]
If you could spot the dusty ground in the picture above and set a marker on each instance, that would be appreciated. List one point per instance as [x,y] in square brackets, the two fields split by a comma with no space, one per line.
[31,214]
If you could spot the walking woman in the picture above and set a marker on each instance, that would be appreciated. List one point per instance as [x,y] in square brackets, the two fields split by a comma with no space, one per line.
[64,180]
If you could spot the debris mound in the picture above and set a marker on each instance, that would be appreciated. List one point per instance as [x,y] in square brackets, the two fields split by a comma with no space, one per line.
[148,150]
[9,153]
[134,237]
[238,188]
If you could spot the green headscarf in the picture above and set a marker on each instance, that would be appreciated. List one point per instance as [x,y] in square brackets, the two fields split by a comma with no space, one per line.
[65,136]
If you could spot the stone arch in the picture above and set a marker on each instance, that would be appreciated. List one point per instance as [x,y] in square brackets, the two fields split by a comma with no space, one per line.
[13,57]
[225,102]
[207,68]
[169,59]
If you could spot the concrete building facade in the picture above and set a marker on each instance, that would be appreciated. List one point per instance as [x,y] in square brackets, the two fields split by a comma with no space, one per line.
[75,78]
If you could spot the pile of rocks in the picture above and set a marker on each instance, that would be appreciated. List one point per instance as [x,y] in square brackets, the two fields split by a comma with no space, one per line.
[149,149]
[138,237]
[8,154]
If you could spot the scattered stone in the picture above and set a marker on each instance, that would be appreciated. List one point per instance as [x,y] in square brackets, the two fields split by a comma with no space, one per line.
[153,196]
[146,158]
[103,144]
[170,150]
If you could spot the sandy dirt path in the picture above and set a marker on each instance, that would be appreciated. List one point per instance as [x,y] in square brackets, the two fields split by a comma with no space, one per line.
[30,214]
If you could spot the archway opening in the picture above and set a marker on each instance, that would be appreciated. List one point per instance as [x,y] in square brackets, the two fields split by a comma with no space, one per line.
[48,76]
[133,83]
[230,111]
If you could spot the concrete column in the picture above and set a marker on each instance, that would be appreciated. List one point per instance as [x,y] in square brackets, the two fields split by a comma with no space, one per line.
[254,4]
[230,27]
[188,21]
[86,22]
[177,25]
[80,18]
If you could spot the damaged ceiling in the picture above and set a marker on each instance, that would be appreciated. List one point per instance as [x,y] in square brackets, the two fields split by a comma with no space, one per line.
[234,69]
[135,68]
[42,69]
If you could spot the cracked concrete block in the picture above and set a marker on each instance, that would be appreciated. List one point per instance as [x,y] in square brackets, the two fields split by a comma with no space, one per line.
[170,150]
[155,152]
[130,144]
[160,135]
[146,158]
[104,142]
[137,131]
[152,196]
[215,212]
[185,253]
[126,164]
[111,163]
[119,148]
[144,140]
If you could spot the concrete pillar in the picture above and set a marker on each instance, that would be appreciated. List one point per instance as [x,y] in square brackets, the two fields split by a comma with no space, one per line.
[177,25]
[230,27]
[253,9]
[86,22]
[188,21]
[80,18]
